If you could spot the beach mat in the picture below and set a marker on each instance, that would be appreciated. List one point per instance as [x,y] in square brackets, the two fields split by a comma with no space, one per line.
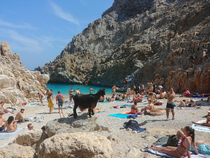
[119,115]
[199,97]
[202,149]
[5,135]
[28,105]
[201,128]
[128,112]
[125,105]
[104,102]
[165,155]
[188,108]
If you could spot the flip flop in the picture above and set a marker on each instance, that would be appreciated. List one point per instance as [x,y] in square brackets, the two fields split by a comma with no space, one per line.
[173,118]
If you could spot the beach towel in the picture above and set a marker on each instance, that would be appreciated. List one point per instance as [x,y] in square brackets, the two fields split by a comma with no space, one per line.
[158,103]
[202,149]
[6,135]
[104,102]
[125,105]
[134,125]
[188,108]
[28,105]
[119,115]
[165,155]
[129,113]
[101,112]
[8,113]
[199,97]
[11,108]
[201,128]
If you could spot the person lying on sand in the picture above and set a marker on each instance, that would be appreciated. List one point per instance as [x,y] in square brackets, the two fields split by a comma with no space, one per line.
[199,143]
[186,93]
[207,121]
[148,108]
[191,103]
[119,97]
[187,136]
[134,108]
[3,110]
[138,98]
[162,95]
[11,124]
[111,99]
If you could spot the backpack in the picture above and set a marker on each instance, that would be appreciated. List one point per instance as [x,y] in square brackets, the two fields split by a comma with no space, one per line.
[172,140]
[130,124]
[60,99]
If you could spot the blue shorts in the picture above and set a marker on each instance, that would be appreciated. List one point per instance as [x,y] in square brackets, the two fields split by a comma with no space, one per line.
[60,104]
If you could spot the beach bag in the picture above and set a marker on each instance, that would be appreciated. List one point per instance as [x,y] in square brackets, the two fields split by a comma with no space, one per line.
[60,99]
[172,140]
[63,100]
[130,124]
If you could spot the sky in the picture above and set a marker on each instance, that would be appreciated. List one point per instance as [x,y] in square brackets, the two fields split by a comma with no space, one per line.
[39,30]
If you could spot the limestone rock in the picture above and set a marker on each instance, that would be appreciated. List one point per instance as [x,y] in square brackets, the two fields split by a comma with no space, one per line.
[16,151]
[76,145]
[28,138]
[70,125]
[140,39]
[17,84]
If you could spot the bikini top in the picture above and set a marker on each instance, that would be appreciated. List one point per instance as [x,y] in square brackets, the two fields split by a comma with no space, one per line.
[181,144]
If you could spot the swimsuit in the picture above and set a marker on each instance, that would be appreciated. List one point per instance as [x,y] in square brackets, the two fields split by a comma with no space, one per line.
[2,128]
[181,144]
[50,105]
[171,106]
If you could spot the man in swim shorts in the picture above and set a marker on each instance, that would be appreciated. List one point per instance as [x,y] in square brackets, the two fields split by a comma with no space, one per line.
[1,123]
[19,116]
[170,103]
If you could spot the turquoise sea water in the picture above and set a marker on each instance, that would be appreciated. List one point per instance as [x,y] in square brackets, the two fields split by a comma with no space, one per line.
[84,89]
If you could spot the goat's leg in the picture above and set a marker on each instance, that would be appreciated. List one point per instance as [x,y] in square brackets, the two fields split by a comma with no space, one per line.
[75,113]
[92,112]
[89,110]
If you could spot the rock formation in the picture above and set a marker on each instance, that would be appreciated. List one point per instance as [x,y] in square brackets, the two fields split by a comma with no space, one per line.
[147,40]
[66,125]
[80,144]
[17,84]
[17,151]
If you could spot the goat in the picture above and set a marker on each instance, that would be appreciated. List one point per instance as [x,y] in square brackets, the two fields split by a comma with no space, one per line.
[85,101]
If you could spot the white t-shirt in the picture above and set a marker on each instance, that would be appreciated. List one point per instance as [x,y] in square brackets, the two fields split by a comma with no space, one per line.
[204,53]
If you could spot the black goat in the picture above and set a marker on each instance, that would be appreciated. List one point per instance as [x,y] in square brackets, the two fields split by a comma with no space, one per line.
[85,101]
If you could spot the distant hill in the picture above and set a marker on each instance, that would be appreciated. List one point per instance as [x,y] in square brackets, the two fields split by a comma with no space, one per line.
[145,40]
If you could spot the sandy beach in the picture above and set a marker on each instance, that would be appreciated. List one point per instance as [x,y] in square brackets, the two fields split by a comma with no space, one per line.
[125,140]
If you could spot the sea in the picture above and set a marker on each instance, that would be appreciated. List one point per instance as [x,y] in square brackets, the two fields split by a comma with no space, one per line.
[84,89]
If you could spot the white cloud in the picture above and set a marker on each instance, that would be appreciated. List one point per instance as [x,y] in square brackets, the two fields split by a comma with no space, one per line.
[21,43]
[59,12]
[24,26]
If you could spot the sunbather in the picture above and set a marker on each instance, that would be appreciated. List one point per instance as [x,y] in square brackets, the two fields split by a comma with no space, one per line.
[19,116]
[148,108]
[187,104]
[134,108]
[11,124]
[186,93]
[207,123]
[187,136]
[4,110]
[138,98]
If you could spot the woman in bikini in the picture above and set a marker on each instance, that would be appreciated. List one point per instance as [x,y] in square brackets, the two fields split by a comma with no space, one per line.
[11,124]
[187,137]
[134,108]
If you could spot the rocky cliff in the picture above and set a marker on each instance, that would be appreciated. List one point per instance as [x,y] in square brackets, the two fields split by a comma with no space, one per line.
[17,84]
[147,40]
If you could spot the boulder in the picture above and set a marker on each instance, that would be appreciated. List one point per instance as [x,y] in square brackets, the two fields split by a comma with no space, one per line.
[76,145]
[28,138]
[16,151]
[70,125]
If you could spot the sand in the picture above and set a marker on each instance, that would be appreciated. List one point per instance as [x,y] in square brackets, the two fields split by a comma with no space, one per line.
[125,140]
